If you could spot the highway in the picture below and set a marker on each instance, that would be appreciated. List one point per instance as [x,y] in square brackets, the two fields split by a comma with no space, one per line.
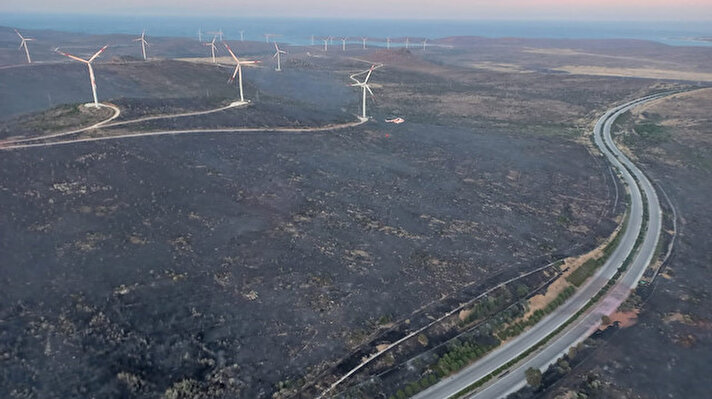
[581,328]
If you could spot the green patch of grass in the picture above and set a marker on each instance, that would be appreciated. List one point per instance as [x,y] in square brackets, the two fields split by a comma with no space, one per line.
[578,276]
[651,133]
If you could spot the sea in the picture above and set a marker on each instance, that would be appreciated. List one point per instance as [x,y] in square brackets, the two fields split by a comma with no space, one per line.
[299,31]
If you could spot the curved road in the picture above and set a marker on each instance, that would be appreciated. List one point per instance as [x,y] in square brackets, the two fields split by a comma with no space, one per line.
[191,131]
[31,142]
[581,328]
[97,125]
[117,112]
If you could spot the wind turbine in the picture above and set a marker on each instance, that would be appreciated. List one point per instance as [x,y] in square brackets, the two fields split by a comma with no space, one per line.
[363,39]
[388,42]
[200,35]
[212,47]
[277,55]
[407,42]
[343,44]
[326,44]
[219,33]
[242,35]
[312,40]
[238,71]
[144,43]
[364,87]
[268,36]
[425,43]
[24,44]
[91,70]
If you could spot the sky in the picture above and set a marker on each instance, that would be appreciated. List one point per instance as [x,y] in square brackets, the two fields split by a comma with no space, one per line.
[610,10]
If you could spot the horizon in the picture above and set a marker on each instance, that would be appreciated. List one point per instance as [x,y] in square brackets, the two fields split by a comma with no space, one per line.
[296,30]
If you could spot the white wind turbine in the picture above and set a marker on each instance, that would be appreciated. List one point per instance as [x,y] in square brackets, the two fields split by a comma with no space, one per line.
[343,44]
[277,55]
[238,71]
[200,35]
[91,70]
[23,43]
[326,44]
[242,35]
[312,40]
[219,34]
[144,43]
[363,39]
[425,43]
[407,42]
[212,48]
[388,42]
[364,88]
[268,36]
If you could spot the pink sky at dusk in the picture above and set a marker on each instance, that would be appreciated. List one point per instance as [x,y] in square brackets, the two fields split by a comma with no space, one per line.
[460,9]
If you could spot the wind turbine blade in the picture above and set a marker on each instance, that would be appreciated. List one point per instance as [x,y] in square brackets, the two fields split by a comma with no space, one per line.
[18,34]
[72,57]
[93,57]
[369,90]
[370,71]
[234,57]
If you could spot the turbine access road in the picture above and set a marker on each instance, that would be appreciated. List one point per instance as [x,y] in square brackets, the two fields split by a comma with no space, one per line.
[32,142]
[580,328]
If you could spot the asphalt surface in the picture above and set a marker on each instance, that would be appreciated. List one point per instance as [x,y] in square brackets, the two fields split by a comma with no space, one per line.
[580,329]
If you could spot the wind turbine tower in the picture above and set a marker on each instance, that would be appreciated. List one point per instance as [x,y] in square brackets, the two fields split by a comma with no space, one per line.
[242,35]
[212,48]
[326,44]
[407,42]
[277,55]
[238,71]
[343,44]
[23,43]
[91,71]
[388,43]
[363,39]
[364,88]
[144,43]
[425,43]
[200,35]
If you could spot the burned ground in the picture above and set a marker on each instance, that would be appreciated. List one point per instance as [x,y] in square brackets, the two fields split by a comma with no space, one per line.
[223,264]
[257,249]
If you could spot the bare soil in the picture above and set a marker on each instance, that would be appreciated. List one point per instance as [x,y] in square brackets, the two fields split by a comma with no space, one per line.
[224,265]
